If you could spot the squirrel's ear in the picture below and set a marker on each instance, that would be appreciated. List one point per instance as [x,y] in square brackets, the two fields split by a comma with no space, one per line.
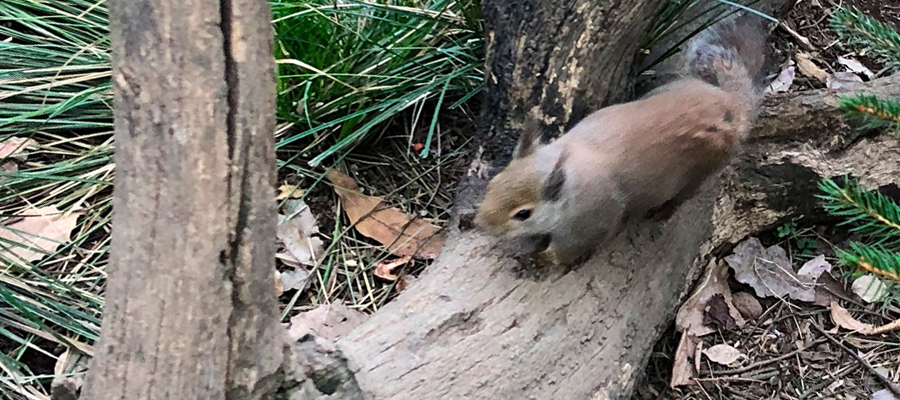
[529,140]
[553,186]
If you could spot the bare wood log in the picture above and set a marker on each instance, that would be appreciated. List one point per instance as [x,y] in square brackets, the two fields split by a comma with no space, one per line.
[800,138]
[191,311]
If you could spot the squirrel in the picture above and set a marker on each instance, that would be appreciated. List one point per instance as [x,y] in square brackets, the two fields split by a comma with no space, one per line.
[625,160]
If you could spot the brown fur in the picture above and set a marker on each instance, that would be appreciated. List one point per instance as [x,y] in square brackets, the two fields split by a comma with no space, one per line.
[624,160]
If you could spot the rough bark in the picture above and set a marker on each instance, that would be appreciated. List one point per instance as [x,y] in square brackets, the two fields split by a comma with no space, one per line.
[191,311]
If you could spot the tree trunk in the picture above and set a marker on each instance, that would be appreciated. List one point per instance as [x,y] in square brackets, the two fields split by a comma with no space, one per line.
[190,310]
[473,327]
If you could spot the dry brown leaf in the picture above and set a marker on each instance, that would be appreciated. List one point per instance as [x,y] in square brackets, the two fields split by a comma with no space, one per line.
[405,282]
[869,288]
[784,80]
[297,279]
[39,233]
[279,286]
[384,268]
[829,289]
[842,318]
[815,268]
[405,236]
[683,372]
[297,230]
[723,354]
[690,317]
[810,69]
[769,272]
[717,314]
[289,191]
[855,67]
[747,305]
[328,321]
[13,146]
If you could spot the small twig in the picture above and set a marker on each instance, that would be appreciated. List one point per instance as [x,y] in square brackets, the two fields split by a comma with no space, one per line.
[751,378]
[890,385]
[802,39]
[764,362]
[825,383]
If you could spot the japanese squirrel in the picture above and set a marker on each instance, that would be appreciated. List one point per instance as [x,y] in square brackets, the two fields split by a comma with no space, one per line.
[622,161]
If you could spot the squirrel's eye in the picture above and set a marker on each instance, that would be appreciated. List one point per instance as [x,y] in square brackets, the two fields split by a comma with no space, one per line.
[522,215]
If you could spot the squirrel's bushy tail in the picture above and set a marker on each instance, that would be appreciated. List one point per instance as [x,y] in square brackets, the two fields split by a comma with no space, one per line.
[732,54]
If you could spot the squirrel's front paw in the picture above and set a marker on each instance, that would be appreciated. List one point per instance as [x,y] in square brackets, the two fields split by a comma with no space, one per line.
[546,258]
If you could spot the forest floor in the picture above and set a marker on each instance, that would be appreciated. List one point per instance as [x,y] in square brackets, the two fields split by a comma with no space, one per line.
[781,353]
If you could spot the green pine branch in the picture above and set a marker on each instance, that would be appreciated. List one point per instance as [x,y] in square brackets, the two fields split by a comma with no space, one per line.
[872,258]
[873,111]
[857,28]
[873,215]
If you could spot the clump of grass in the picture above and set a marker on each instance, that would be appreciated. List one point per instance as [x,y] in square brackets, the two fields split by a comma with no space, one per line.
[347,68]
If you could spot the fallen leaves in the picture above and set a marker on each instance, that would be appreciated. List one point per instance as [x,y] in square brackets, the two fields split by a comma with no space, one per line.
[855,67]
[809,68]
[296,230]
[815,267]
[683,371]
[711,304]
[329,321]
[869,288]
[401,234]
[11,147]
[747,305]
[883,394]
[841,79]
[289,191]
[40,232]
[842,318]
[295,279]
[723,354]
[784,80]
[695,311]
[384,268]
[770,273]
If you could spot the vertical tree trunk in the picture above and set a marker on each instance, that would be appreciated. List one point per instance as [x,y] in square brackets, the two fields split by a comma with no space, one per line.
[190,307]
